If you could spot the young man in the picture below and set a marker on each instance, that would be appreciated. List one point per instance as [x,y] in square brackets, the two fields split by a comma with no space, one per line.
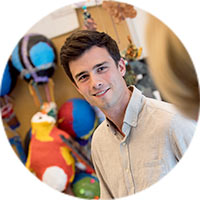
[141,139]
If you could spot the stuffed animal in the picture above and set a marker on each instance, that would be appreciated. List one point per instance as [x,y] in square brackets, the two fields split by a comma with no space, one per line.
[9,79]
[86,186]
[77,117]
[7,85]
[48,156]
[35,58]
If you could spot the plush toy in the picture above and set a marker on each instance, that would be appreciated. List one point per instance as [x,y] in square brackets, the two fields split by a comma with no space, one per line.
[48,156]
[86,186]
[35,58]
[9,79]
[9,117]
[7,85]
[77,117]
[81,156]
[49,108]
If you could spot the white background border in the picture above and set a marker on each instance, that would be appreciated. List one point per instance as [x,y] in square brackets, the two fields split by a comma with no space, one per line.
[18,16]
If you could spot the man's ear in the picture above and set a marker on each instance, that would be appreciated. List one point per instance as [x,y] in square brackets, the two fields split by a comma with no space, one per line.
[122,66]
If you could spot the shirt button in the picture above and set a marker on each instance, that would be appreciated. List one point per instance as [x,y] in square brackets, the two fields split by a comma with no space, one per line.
[134,123]
[124,144]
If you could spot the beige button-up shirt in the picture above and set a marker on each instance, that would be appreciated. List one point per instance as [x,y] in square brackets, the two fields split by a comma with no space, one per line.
[156,137]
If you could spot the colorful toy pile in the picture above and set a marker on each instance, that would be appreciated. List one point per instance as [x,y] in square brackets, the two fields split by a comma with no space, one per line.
[49,156]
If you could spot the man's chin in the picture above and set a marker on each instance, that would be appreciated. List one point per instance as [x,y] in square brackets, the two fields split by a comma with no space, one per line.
[102,105]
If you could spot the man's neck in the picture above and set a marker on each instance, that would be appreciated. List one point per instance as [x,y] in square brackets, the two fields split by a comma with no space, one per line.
[117,113]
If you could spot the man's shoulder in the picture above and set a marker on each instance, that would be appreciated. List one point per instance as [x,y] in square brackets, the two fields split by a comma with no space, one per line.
[99,137]
[100,131]
[168,112]
[182,124]
[161,106]
[101,126]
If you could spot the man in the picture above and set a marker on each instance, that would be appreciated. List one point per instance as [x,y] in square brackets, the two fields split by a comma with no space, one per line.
[141,139]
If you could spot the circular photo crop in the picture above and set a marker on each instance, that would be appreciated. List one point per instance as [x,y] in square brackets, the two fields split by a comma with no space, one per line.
[99,100]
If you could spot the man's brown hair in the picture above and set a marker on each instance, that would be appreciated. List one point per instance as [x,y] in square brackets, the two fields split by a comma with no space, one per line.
[83,40]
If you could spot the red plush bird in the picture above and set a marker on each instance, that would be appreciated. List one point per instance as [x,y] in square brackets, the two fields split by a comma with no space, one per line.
[48,157]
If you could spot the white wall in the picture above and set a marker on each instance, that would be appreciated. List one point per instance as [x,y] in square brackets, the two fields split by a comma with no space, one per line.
[59,22]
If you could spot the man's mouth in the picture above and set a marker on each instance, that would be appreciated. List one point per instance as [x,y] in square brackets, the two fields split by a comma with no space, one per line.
[101,93]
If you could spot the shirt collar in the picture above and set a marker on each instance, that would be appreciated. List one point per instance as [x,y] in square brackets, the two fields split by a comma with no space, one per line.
[134,107]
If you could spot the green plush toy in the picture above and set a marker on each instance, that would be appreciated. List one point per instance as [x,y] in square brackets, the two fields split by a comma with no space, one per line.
[86,186]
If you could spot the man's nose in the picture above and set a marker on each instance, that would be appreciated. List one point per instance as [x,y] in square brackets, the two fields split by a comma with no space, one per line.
[96,82]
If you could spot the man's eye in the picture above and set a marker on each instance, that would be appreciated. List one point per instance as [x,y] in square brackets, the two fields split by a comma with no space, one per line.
[100,69]
[83,78]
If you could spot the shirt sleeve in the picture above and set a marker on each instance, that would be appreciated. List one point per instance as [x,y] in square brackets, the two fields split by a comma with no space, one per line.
[104,189]
[181,133]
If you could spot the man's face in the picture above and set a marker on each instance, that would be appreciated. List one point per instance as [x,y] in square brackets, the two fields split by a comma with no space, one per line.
[98,78]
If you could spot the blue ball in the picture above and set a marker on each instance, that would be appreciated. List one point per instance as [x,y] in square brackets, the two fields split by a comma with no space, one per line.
[77,117]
